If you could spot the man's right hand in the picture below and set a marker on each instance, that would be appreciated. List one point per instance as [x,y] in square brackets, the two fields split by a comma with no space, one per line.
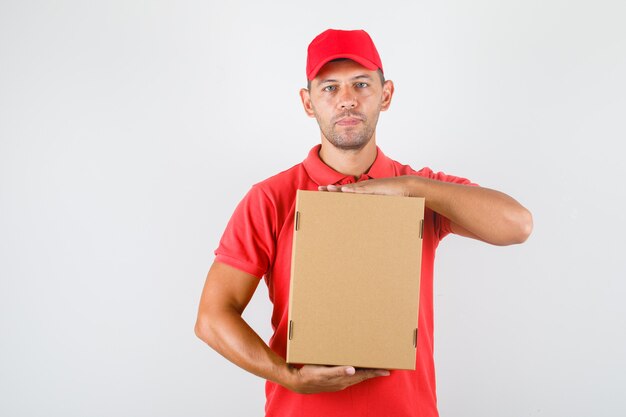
[226,293]
[312,379]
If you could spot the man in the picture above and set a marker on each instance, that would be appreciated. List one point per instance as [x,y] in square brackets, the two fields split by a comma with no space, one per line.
[345,94]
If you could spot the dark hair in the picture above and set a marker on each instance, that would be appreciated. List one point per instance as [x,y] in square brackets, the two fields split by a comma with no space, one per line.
[379,71]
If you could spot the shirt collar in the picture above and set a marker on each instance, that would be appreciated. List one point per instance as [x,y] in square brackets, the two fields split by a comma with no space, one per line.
[322,174]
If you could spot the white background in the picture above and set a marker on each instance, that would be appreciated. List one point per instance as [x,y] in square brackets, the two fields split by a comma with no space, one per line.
[129,130]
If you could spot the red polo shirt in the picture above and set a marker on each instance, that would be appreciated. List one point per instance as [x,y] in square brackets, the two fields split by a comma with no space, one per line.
[258,240]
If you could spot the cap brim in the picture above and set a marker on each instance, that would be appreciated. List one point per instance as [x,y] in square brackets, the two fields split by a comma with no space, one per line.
[360,60]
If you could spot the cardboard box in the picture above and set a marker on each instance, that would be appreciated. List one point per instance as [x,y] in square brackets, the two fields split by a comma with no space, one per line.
[355,274]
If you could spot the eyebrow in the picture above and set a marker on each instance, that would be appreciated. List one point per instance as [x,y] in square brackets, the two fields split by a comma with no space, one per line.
[357,77]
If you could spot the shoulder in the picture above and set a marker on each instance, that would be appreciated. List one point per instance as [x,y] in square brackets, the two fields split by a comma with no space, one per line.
[427,172]
[276,184]
[280,179]
[441,176]
[280,189]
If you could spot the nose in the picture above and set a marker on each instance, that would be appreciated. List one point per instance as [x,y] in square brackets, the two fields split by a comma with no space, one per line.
[347,100]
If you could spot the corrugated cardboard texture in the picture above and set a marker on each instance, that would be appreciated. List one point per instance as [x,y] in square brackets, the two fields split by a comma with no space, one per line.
[355,273]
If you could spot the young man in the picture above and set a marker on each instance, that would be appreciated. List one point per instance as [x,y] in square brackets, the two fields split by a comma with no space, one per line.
[346,93]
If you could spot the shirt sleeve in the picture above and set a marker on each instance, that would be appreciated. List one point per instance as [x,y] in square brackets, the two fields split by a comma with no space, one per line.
[248,242]
[443,224]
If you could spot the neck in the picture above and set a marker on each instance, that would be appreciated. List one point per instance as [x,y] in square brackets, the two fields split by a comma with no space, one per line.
[353,162]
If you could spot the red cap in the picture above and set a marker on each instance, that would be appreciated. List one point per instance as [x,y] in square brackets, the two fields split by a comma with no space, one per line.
[334,44]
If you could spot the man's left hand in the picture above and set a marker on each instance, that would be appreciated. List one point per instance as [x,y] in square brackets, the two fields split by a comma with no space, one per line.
[384,186]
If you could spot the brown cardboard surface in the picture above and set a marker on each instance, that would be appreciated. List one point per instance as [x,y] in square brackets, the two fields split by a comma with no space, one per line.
[355,272]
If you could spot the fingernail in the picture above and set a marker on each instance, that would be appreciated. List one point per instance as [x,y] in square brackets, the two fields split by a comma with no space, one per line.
[350,371]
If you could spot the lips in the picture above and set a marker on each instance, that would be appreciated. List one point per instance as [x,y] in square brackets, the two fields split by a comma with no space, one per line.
[348,121]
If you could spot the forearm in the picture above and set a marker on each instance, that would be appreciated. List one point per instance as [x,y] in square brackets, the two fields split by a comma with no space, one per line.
[488,214]
[228,333]
[226,294]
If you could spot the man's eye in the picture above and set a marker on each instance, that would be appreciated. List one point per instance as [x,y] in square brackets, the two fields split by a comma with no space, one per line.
[330,88]
[361,85]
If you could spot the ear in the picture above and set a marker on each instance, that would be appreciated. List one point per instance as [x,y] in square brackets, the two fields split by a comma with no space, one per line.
[305,96]
[387,95]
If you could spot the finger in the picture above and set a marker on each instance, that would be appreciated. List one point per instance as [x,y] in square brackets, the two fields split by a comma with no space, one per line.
[330,371]
[361,188]
[382,372]
[340,371]
[376,372]
[348,189]
[322,188]
[355,188]
[364,374]
[333,188]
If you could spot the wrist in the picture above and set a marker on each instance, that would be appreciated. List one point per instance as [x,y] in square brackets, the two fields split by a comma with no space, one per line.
[414,186]
[288,377]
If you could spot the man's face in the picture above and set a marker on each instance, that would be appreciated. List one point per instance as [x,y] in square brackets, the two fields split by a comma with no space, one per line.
[346,99]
